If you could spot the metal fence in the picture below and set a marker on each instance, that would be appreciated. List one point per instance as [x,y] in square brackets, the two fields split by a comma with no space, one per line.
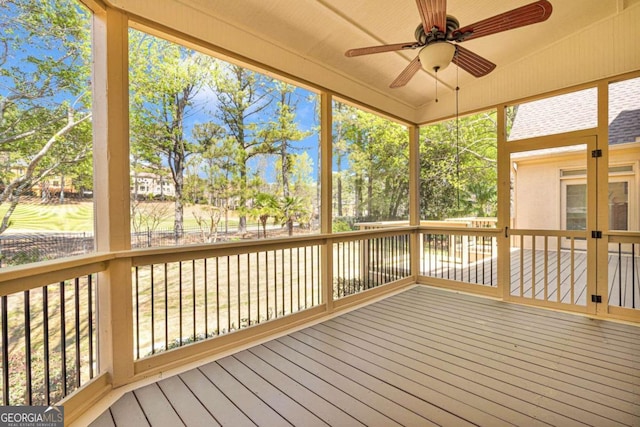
[17,249]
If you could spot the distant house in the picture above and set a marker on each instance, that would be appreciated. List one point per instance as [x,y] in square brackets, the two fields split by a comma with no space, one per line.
[149,185]
[51,187]
[550,185]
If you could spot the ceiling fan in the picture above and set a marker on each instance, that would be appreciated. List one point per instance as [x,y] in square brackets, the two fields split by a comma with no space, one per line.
[436,34]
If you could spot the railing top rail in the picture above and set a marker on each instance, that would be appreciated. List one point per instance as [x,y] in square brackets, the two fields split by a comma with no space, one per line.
[615,233]
[147,256]
[548,233]
[31,276]
[477,231]
[144,256]
[623,236]
[371,233]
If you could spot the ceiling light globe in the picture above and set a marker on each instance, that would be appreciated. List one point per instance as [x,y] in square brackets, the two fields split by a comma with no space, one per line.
[437,56]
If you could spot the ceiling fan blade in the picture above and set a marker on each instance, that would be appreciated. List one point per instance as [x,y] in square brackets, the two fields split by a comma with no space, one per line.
[472,63]
[433,13]
[378,49]
[406,74]
[530,14]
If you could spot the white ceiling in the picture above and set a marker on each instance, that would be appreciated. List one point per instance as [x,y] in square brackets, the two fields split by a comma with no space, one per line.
[308,38]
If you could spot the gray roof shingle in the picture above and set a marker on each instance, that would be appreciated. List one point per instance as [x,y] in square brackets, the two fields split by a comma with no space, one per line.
[578,110]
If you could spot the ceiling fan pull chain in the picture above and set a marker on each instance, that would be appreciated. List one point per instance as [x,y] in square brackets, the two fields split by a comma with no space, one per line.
[436,70]
[457,136]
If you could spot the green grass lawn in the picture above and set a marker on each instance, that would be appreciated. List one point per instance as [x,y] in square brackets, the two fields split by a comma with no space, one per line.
[78,217]
[73,216]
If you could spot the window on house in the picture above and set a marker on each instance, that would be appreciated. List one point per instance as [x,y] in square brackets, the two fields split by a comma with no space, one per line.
[619,205]
[576,206]
[621,179]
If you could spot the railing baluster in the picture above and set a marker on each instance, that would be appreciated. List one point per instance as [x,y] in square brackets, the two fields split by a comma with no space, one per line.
[27,348]
[166,307]
[218,330]
[484,264]
[275,283]
[77,331]
[205,284]
[533,268]
[521,265]
[546,268]
[266,292]
[619,274]
[228,294]
[63,340]
[238,301]
[137,280]
[153,309]
[559,282]
[573,262]
[633,275]
[313,278]
[290,280]
[298,274]
[430,255]
[306,279]
[284,309]
[258,285]
[491,240]
[5,352]
[90,321]
[180,302]
[248,289]
[193,296]
[45,329]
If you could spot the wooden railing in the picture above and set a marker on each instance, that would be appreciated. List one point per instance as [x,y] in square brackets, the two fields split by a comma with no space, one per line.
[191,302]
[460,257]
[48,318]
[186,303]
[547,268]
[624,269]
[469,222]
[365,263]
[193,298]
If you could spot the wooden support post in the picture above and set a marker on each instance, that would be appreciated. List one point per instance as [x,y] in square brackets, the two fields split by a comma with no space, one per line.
[414,198]
[326,143]
[111,192]
[504,206]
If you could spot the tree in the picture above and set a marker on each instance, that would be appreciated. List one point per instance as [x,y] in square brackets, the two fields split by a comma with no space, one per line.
[165,80]
[343,116]
[242,96]
[291,208]
[458,161]
[208,217]
[45,100]
[377,154]
[216,165]
[265,206]
[283,130]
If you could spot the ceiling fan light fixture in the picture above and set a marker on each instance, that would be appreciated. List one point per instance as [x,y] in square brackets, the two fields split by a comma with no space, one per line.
[437,56]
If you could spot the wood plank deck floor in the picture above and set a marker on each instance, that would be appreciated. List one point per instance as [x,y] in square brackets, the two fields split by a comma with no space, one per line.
[419,358]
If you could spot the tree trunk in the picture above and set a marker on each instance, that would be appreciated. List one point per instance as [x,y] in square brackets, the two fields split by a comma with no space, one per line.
[178,226]
[61,189]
